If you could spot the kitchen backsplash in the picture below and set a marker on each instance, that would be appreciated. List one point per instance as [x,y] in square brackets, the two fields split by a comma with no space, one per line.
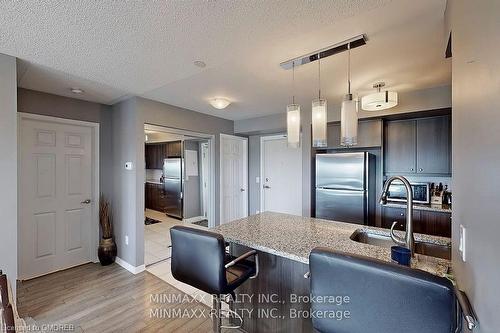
[153,174]
[435,180]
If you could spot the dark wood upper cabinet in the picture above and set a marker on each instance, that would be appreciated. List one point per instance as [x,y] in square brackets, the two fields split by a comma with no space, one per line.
[149,156]
[174,149]
[418,146]
[400,146]
[369,134]
[433,145]
[155,153]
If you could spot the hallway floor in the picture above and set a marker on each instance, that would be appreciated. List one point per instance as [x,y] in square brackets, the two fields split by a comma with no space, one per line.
[157,253]
[95,298]
[157,237]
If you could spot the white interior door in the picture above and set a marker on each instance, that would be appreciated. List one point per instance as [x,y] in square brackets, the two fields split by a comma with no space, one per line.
[281,176]
[233,178]
[56,171]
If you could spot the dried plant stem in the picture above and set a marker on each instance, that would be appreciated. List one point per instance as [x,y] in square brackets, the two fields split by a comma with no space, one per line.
[105,218]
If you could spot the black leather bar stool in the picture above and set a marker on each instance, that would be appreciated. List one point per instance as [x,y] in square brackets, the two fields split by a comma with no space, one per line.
[382,297]
[199,259]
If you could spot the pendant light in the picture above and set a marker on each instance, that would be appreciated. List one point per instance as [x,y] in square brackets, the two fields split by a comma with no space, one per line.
[319,113]
[349,112]
[381,100]
[293,118]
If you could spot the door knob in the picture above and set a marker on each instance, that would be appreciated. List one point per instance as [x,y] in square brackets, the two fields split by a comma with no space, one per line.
[267,186]
[86,202]
[242,190]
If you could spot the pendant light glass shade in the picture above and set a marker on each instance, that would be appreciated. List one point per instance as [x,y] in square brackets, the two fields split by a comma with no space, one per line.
[293,125]
[349,112]
[349,122]
[293,118]
[319,123]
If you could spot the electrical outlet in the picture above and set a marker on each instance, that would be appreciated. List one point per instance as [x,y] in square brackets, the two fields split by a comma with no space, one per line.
[126,239]
[461,245]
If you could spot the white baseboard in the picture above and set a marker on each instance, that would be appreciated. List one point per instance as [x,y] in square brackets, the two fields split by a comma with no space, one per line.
[129,267]
[194,219]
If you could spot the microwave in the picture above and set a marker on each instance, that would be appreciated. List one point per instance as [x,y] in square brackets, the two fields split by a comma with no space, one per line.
[397,192]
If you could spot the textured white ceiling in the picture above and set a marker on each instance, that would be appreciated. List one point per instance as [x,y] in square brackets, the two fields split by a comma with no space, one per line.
[114,49]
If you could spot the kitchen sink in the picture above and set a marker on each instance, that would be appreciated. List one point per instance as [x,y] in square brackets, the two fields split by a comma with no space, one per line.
[425,248]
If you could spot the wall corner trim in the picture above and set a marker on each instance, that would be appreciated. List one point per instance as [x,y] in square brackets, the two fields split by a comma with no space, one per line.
[129,267]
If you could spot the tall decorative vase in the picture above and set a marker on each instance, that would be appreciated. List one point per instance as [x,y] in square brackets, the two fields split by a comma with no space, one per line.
[107,251]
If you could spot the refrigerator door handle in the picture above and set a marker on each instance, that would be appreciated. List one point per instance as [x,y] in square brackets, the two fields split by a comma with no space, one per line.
[339,189]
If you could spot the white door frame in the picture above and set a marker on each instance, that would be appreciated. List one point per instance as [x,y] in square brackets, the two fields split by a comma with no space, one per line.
[245,162]
[204,147]
[263,139]
[94,239]
[211,152]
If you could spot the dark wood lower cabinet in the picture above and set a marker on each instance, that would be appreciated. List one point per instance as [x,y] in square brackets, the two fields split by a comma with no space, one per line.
[424,222]
[436,223]
[155,197]
[277,300]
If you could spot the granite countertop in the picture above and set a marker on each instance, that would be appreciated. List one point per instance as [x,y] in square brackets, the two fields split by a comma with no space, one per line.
[430,207]
[294,237]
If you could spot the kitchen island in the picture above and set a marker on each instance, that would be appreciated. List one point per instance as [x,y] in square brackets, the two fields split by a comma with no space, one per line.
[276,301]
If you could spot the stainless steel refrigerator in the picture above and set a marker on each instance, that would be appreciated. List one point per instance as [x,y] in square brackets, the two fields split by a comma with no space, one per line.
[172,175]
[345,187]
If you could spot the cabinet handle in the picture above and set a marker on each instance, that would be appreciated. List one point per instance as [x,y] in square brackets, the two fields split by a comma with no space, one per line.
[412,169]
[420,169]
[401,214]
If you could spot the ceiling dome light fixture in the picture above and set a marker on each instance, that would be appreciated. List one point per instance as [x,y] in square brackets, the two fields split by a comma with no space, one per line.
[219,103]
[77,91]
[199,63]
[381,100]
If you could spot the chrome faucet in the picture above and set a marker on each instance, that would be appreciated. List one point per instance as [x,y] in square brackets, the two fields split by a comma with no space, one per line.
[408,241]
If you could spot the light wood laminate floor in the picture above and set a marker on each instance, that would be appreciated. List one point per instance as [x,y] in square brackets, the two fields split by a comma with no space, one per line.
[108,299]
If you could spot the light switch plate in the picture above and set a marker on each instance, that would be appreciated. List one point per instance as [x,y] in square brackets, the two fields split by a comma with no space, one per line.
[461,245]
[257,180]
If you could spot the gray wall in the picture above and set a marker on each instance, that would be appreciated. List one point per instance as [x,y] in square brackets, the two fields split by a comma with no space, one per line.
[192,197]
[8,168]
[476,154]
[128,204]
[420,100]
[253,172]
[128,119]
[32,101]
